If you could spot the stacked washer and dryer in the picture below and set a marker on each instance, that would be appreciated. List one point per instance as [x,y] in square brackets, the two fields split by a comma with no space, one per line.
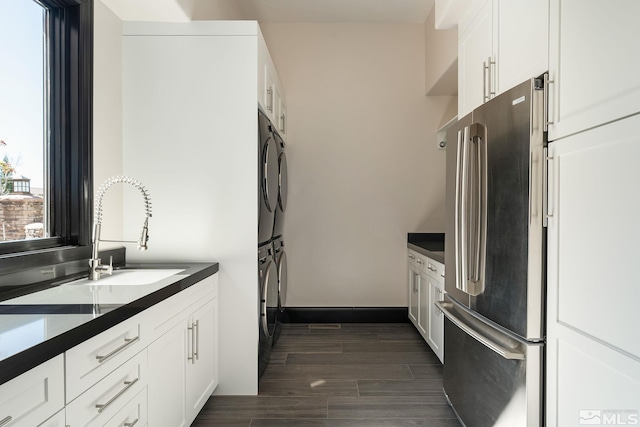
[272,259]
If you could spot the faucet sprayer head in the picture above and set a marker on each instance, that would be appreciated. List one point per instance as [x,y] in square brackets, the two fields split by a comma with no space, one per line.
[144,237]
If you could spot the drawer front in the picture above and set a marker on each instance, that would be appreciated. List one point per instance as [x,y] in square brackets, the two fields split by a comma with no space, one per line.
[93,359]
[103,401]
[34,396]
[170,312]
[435,269]
[412,256]
[133,414]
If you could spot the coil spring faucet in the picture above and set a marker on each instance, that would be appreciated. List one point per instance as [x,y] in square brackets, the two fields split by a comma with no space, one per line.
[96,268]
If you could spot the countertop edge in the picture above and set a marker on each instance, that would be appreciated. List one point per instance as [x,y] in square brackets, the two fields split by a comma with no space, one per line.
[434,256]
[22,362]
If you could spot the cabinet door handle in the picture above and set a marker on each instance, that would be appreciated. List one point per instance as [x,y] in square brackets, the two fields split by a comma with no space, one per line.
[128,384]
[270,99]
[132,423]
[191,356]
[196,349]
[5,420]
[127,343]
[492,91]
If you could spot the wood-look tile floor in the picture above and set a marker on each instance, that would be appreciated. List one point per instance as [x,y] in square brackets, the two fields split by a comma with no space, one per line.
[347,375]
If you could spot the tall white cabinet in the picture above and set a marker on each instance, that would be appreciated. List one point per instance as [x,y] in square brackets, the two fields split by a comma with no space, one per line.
[593,351]
[593,355]
[190,98]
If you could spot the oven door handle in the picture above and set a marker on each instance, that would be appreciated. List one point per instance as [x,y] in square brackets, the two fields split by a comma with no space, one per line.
[502,351]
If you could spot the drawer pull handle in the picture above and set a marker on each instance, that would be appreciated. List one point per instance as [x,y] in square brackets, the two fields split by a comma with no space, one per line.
[432,268]
[127,343]
[128,384]
[5,420]
[132,423]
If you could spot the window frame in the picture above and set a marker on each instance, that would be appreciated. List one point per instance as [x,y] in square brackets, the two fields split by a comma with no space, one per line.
[68,38]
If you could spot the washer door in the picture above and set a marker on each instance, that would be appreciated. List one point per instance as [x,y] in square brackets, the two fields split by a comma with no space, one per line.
[282,279]
[269,299]
[269,173]
[282,181]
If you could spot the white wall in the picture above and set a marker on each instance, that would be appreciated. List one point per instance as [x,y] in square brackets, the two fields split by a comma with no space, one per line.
[364,168]
[441,59]
[107,115]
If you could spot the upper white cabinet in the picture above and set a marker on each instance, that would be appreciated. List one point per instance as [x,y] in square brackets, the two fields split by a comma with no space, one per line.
[593,352]
[594,64]
[270,91]
[501,43]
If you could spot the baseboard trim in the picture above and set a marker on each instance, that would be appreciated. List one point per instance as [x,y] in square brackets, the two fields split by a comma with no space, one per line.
[345,315]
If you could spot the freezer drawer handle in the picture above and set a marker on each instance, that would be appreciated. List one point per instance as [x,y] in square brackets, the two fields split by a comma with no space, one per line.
[506,353]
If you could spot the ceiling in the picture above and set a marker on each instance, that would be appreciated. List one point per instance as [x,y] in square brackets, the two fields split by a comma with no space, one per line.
[414,11]
[275,11]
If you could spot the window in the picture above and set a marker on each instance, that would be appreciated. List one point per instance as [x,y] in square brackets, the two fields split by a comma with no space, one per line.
[65,119]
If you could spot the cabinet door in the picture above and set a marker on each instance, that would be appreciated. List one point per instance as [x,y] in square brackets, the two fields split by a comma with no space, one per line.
[522,50]
[34,396]
[202,361]
[167,380]
[414,292]
[475,50]
[594,63]
[435,335]
[423,306]
[592,279]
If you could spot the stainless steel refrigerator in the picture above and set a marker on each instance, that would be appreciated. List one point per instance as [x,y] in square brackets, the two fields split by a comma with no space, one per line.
[495,242]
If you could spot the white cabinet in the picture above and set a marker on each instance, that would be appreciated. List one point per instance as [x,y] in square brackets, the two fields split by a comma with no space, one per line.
[475,50]
[202,375]
[435,332]
[271,95]
[500,44]
[593,62]
[413,280]
[58,420]
[183,361]
[93,359]
[426,286]
[31,398]
[167,392]
[593,351]
[105,399]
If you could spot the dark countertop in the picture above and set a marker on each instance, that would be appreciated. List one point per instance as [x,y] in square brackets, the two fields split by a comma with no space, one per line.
[428,244]
[37,327]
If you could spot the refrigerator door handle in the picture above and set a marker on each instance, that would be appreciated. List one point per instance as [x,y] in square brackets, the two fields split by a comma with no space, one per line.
[477,209]
[460,210]
[499,349]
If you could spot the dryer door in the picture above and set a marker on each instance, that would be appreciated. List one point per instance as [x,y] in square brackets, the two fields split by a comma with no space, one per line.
[269,299]
[282,182]
[269,174]
[282,279]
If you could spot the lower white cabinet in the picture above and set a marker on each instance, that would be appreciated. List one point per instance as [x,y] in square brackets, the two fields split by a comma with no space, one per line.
[103,400]
[426,287]
[161,364]
[31,398]
[183,365]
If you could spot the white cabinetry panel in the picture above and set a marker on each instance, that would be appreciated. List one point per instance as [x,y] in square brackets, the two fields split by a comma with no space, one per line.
[592,281]
[594,62]
[34,396]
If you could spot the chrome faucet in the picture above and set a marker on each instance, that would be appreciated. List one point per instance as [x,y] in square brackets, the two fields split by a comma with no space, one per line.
[96,268]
